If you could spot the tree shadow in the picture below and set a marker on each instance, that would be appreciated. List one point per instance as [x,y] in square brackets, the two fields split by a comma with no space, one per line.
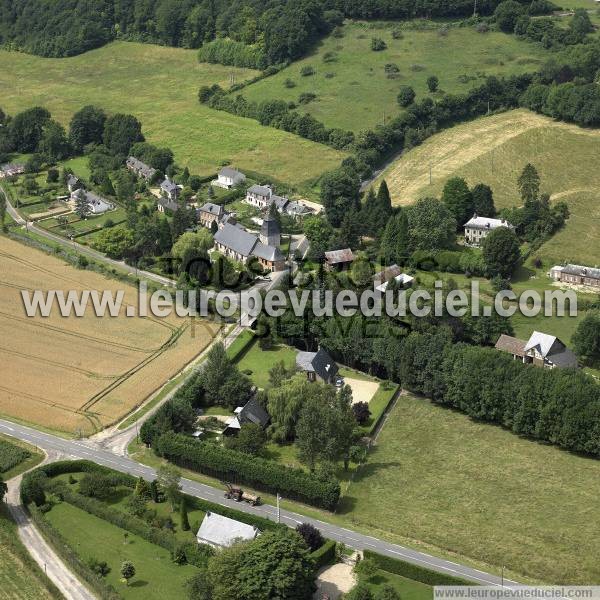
[138,583]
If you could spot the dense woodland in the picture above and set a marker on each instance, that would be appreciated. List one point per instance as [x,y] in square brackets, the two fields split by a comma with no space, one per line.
[281,30]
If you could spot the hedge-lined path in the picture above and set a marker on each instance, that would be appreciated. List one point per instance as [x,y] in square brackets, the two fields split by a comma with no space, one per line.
[43,554]
[81,450]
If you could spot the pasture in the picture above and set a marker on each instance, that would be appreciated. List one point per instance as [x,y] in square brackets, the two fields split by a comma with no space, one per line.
[431,468]
[351,84]
[160,85]
[493,150]
[80,374]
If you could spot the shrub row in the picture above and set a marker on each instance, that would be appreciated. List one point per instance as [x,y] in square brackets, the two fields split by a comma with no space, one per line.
[414,572]
[263,474]
[103,590]
[325,555]
[11,455]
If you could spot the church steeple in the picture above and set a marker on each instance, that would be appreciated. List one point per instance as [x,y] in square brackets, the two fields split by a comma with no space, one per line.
[270,233]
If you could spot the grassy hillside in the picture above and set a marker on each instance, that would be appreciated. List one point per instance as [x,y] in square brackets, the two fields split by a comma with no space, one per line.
[493,150]
[431,472]
[160,85]
[359,94]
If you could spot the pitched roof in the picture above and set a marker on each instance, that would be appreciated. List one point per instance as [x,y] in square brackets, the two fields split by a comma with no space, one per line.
[476,222]
[260,190]
[334,257]
[223,531]
[579,270]
[238,240]
[402,280]
[141,168]
[510,344]
[387,274]
[214,209]
[169,186]
[229,172]
[296,208]
[168,204]
[552,349]
[270,253]
[253,412]
[317,362]
[72,180]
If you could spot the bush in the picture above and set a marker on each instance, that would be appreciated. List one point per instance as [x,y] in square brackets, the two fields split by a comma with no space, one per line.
[406,96]
[306,97]
[377,44]
[100,567]
[307,71]
[261,473]
[289,83]
[361,412]
[325,555]
[311,535]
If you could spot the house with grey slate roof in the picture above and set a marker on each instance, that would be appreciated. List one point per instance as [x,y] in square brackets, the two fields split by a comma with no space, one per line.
[73,183]
[478,228]
[262,196]
[576,275]
[541,350]
[210,213]
[318,366]
[140,169]
[165,205]
[169,189]
[96,204]
[251,412]
[228,178]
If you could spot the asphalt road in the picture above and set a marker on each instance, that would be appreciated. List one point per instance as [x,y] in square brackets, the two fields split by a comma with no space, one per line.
[86,450]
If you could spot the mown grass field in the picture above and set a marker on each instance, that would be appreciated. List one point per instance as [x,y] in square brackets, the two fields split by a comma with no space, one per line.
[360,95]
[494,150]
[157,576]
[81,374]
[474,490]
[160,86]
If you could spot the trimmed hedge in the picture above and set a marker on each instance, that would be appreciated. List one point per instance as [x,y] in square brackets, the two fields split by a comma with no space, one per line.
[240,345]
[414,572]
[325,555]
[260,473]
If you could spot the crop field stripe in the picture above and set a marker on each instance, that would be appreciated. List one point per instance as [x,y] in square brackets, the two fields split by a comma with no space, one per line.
[44,401]
[90,338]
[115,384]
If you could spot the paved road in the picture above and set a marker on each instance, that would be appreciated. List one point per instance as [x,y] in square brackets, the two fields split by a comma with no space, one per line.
[87,450]
[43,554]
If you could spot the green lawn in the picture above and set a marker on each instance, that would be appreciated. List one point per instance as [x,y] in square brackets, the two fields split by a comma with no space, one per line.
[261,361]
[160,85]
[359,95]
[493,150]
[440,480]
[20,577]
[407,588]
[156,575]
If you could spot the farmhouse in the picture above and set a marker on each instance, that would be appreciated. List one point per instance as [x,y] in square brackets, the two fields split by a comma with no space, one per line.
[223,532]
[140,169]
[478,228]
[210,213]
[318,366]
[169,189]
[338,260]
[235,242]
[541,350]
[262,196]
[96,204]
[576,274]
[228,178]
[251,412]
[11,169]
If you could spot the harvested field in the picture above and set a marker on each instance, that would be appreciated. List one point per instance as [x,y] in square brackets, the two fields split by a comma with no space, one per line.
[81,373]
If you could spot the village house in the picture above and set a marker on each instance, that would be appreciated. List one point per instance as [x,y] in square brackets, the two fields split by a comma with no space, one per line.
[73,183]
[11,169]
[577,275]
[169,189]
[403,281]
[381,279]
[541,350]
[228,178]
[96,204]
[140,169]
[164,205]
[262,196]
[338,260]
[478,228]
[251,412]
[318,366]
[210,213]
[238,244]
[222,532]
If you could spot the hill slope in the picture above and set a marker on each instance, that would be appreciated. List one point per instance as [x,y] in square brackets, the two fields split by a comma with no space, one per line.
[493,150]
[160,85]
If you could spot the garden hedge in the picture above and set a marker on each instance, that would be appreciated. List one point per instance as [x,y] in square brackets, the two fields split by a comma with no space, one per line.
[260,473]
[414,572]
[325,555]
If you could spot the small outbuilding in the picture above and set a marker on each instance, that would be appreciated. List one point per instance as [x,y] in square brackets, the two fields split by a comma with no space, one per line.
[222,532]
[338,260]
